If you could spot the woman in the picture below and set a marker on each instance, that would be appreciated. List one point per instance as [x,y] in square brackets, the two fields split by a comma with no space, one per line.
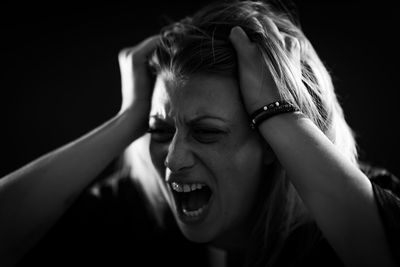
[248,142]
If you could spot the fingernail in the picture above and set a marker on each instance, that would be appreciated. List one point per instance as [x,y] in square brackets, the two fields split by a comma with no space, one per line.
[236,28]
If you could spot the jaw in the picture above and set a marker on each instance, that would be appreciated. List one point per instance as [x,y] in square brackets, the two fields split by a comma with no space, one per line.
[208,225]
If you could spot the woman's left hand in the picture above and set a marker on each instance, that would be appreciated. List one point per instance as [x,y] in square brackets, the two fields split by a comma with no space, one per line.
[257,84]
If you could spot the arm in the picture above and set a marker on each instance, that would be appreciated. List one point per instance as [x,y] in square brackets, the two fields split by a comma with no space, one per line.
[34,197]
[337,194]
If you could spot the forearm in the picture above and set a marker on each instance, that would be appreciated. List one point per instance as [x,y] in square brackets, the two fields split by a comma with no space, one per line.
[337,194]
[35,196]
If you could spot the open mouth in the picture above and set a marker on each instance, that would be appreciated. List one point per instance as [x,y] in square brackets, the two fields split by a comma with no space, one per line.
[192,200]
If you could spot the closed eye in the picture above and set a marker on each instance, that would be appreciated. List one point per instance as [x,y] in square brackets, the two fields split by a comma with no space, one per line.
[161,135]
[205,135]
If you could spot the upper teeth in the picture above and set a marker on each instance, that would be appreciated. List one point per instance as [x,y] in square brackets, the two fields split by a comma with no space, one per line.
[186,187]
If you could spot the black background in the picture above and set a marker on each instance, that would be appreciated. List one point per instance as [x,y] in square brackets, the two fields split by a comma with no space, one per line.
[60,77]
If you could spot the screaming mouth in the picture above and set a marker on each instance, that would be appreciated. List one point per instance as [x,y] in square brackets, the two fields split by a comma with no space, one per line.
[191,199]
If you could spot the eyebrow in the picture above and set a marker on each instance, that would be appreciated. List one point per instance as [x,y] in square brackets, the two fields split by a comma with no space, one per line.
[204,117]
[196,119]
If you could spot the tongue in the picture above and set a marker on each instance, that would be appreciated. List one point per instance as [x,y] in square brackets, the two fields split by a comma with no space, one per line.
[195,200]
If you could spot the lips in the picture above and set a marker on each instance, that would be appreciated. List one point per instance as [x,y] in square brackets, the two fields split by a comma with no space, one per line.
[192,200]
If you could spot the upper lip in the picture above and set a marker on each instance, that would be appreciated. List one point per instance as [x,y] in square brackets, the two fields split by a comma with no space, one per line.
[181,178]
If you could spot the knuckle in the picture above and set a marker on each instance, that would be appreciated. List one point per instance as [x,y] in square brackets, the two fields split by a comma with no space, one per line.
[125,52]
[288,42]
[122,54]
[291,43]
[296,43]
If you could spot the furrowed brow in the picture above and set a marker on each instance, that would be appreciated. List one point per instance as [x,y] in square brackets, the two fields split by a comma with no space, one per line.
[212,117]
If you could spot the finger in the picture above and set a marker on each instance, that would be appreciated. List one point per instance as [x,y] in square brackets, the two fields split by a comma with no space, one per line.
[292,46]
[149,44]
[239,38]
[291,43]
[245,49]
[274,31]
[141,50]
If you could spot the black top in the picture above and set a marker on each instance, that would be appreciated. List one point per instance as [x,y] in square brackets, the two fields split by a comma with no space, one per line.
[114,228]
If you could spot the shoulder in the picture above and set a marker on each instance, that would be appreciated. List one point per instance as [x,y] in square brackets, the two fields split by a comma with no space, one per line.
[111,224]
[381,177]
[95,230]
[386,187]
[306,246]
[315,249]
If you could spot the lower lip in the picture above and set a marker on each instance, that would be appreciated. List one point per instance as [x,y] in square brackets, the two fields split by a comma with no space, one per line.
[196,219]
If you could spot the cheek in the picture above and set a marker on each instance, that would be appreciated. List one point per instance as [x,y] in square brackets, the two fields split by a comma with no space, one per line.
[246,161]
[245,177]
[242,179]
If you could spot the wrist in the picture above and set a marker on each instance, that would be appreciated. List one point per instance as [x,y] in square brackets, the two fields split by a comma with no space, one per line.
[137,116]
[252,106]
[270,110]
[138,107]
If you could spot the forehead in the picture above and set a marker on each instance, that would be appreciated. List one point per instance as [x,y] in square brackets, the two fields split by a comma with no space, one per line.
[198,95]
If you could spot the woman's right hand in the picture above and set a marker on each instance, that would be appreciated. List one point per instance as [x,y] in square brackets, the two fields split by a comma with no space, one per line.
[135,77]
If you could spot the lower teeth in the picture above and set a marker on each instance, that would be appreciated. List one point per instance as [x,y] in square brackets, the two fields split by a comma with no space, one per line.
[193,213]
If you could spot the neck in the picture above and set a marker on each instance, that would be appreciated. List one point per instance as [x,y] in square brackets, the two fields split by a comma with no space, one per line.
[226,258]
[230,249]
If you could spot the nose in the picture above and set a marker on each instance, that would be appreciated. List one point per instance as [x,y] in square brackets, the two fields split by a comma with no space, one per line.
[180,156]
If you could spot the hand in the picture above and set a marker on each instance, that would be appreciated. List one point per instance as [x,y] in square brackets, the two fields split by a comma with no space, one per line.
[257,84]
[135,80]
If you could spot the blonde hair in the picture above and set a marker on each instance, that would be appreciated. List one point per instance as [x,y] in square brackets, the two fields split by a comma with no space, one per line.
[200,44]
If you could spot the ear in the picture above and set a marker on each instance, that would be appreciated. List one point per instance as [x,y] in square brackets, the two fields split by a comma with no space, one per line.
[268,154]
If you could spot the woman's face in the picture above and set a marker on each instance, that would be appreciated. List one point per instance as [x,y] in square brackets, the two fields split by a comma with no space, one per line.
[208,157]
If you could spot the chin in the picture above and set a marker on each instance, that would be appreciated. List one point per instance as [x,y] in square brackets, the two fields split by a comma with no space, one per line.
[197,234]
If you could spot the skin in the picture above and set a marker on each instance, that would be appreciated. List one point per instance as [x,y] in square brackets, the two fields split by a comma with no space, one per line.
[35,196]
[220,150]
[337,194]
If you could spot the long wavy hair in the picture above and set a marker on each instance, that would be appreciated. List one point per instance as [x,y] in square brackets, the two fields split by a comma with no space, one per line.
[200,44]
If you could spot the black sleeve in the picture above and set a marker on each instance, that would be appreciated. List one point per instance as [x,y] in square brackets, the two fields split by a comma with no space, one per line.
[386,188]
[110,224]
[103,227]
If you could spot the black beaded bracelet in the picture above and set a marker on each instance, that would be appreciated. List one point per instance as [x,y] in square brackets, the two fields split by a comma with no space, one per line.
[270,110]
